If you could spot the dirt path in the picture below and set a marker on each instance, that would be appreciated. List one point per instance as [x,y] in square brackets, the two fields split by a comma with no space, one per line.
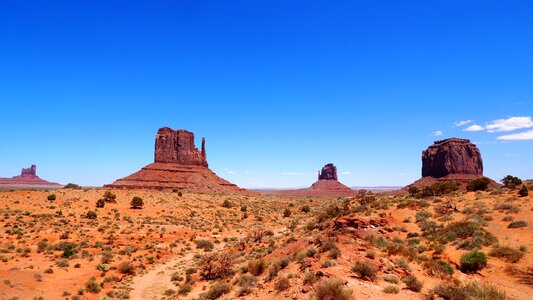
[156,281]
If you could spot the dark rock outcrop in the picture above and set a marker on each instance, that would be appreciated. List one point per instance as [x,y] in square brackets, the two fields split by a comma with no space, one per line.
[177,165]
[329,172]
[452,156]
[28,177]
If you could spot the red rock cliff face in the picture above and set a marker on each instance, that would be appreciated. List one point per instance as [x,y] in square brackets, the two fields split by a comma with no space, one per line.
[177,146]
[329,172]
[452,156]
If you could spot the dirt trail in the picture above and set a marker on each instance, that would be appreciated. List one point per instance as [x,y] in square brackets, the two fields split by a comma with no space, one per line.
[156,281]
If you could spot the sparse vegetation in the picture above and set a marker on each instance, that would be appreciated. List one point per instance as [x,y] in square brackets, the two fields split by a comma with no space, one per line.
[480,184]
[136,202]
[473,261]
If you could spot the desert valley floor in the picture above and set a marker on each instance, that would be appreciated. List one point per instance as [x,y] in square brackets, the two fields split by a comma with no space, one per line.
[262,246]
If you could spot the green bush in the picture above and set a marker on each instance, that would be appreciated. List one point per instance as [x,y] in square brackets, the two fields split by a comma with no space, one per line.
[282,283]
[72,186]
[480,184]
[332,289]
[51,197]
[203,244]
[391,289]
[257,266]
[473,261]
[92,286]
[91,215]
[507,253]
[511,182]
[217,290]
[413,283]
[110,197]
[364,269]
[136,202]
[523,192]
[472,290]
[517,224]
[100,203]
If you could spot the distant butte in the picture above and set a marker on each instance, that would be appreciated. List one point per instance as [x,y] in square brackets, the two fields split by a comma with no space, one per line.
[450,159]
[177,164]
[28,177]
[328,183]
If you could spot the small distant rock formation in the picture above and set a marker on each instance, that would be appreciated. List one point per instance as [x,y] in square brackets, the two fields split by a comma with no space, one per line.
[28,177]
[450,159]
[328,183]
[329,172]
[178,164]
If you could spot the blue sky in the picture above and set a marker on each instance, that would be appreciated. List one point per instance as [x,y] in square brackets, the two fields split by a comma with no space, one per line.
[278,88]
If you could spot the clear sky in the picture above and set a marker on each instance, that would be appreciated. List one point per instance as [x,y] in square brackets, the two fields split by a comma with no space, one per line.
[278,88]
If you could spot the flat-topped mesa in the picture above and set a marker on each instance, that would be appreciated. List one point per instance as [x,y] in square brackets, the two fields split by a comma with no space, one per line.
[328,172]
[452,156]
[177,146]
[31,171]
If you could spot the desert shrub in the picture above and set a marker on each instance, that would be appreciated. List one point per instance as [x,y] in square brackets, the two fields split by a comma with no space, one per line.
[226,204]
[523,192]
[257,266]
[472,234]
[184,289]
[511,181]
[72,186]
[517,224]
[91,215]
[507,253]
[247,280]
[51,197]
[423,215]
[216,291]
[305,209]
[472,290]
[309,278]
[391,278]
[413,283]
[203,244]
[364,269]
[282,283]
[443,188]
[330,212]
[391,289]
[327,245]
[62,263]
[332,289]
[365,197]
[480,184]
[507,206]
[413,190]
[473,261]
[110,197]
[100,203]
[126,268]
[136,202]
[92,286]
[216,265]
[286,213]
[438,267]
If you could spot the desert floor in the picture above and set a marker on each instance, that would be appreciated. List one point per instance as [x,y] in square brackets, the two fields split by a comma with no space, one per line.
[260,246]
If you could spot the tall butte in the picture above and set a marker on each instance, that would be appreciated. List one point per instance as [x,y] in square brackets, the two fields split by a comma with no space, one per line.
[177,164]
[450,159]
[328,183]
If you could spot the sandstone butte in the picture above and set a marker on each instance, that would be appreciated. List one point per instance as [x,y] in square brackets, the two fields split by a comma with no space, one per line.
[28,177]
[450,159]
[178,164]
[328,183]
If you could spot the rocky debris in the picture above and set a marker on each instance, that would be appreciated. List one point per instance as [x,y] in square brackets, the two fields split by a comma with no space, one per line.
[28,177]
[178,165]
[452,156]
[177,146]
[329,172]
